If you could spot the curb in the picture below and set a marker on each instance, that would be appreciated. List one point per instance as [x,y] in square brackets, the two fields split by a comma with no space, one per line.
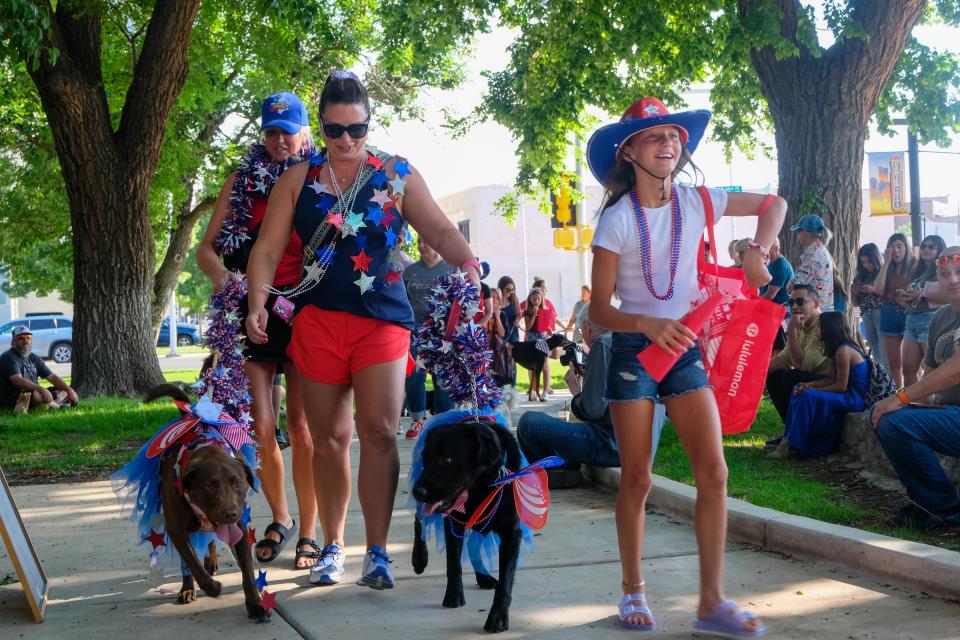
[932,569]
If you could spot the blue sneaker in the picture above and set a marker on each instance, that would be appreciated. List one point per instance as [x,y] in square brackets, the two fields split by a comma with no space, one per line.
[376,570]
[329,568]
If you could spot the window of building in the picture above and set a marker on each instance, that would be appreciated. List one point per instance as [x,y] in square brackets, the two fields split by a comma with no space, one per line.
[464,227]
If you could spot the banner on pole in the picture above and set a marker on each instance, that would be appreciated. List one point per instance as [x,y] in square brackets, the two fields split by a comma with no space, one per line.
[888,194]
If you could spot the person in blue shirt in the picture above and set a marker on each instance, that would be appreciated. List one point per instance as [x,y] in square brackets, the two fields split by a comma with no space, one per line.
[782,273]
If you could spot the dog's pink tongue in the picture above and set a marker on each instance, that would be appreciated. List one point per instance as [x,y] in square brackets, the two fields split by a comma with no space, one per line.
[428,509]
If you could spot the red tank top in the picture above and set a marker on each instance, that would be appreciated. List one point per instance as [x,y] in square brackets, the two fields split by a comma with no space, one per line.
[288,271]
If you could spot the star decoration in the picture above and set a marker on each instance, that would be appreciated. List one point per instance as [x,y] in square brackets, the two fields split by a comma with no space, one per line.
[262,186]
[262,172]
[335,219]
[347,230]
[245,516]
[379,179]
[387,219]
[374,215]
[365,282]
[355,220]
[312,272]
[402,168]
[397,185]
[326,201]
[392,204]
[373,160]
[446,347]
[319,187]
[381,197]
[261,580]
[392,276]
[361,261]
[325,255]
[391,238]
[156,538]
[268,601]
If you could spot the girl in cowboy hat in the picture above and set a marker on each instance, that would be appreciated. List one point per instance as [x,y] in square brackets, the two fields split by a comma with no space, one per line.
[645,249]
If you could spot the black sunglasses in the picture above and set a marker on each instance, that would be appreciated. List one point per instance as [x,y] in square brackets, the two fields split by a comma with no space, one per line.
[797,302]
[356,130]
[929,246]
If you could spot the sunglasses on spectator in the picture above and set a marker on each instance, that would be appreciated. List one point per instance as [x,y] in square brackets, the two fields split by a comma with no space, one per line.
[797,302]
[929,246]
[943,261]
[356,130]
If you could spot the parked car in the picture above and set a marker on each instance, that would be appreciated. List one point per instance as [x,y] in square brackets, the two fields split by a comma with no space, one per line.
[52,335]
[187,334]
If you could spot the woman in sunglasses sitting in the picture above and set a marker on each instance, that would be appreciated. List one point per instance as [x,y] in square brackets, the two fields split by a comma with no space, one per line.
[351,334]
[818,407]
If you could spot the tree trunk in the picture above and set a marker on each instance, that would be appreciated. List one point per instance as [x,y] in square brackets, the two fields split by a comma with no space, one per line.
[107,177]
[821,109]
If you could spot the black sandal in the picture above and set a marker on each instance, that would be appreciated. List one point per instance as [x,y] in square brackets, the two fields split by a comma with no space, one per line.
[315,554]
[274,546]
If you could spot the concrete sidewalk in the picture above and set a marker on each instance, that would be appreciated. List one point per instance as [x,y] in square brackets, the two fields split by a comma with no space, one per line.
[99,583]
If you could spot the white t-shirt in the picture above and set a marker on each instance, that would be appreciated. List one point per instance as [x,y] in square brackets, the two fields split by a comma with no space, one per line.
[617,232]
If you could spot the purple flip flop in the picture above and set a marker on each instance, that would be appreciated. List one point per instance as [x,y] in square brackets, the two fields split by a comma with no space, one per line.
[726,619]
[628,608]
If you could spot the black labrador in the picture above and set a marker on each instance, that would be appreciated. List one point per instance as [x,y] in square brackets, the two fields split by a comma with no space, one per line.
[468,456]
[529,357]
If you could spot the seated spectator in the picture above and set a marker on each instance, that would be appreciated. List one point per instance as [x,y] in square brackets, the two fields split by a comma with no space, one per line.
[20,373]
[817,408]
[591,439]
[803,359]
[912,435]
[781,273]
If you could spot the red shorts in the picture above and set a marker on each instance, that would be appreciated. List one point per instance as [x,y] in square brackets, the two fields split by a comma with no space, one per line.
[330,346]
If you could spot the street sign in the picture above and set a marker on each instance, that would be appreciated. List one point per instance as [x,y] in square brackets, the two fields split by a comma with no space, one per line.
[736,188]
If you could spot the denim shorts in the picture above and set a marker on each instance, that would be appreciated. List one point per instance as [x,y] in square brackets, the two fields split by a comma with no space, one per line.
[533,336]
[917,327]
[892,320]
[628,381]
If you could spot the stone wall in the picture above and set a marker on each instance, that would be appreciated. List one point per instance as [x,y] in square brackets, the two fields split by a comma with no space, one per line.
[859,442]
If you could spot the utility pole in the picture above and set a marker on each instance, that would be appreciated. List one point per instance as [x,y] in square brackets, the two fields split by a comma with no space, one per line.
[913,155]
[581,249]
[173,325]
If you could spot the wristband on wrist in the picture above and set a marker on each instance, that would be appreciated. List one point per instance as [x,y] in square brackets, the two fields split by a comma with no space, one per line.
[763,250]
[765,205]
[902,396]
[470,263]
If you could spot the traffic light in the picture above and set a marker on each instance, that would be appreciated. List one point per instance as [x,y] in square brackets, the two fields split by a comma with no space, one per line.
[563,212]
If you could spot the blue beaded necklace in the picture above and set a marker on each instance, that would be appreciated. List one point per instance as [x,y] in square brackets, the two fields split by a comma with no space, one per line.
[676,241]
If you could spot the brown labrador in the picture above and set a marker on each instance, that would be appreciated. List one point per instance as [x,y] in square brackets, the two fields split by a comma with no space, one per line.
[218,484]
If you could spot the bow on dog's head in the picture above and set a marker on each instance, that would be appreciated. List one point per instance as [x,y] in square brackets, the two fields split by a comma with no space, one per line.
[459,456]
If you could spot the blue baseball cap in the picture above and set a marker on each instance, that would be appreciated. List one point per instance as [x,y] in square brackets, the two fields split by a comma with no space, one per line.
[285,111]
[810,222]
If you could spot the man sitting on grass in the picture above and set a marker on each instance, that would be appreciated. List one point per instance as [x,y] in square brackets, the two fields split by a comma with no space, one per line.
[803,359]
[911,436]
[589,439]
[20,373]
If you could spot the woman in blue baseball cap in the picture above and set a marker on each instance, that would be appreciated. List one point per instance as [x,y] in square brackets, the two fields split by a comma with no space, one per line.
[816,263]
[222,254]
[645,248]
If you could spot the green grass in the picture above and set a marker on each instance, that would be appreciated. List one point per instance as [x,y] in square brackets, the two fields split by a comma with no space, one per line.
[98,434]
[758,480]
[177,375]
